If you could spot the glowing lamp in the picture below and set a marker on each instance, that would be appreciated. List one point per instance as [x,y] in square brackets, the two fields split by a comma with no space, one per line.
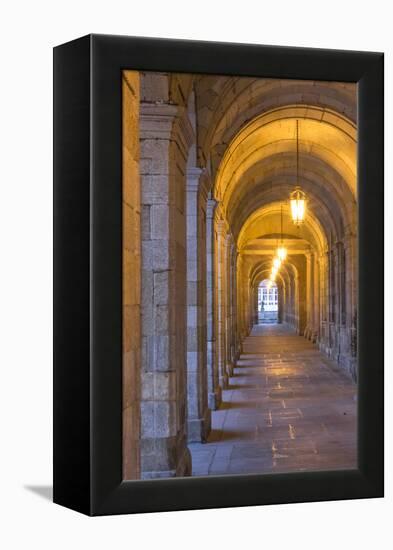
[298,205]
[281,253]
[276,263]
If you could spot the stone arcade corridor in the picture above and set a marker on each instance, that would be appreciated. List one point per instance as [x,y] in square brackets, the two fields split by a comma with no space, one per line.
[234,187]
[287,408]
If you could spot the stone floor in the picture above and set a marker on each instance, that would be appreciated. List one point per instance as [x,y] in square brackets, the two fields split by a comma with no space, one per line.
[288,408]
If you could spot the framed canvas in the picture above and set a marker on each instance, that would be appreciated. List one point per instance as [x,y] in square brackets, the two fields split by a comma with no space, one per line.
[218,275]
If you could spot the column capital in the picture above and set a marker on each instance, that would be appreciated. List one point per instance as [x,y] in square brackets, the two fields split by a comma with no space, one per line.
[192,181]
[166,121]
[221,227]
[156,120]
[198,181]
[210,208]
[219,214]
[228,239]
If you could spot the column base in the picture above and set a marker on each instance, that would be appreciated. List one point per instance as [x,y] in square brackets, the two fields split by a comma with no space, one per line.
[214,399]
[165,457]
[224,382]
[199,428]
[311,334]
[229,369]
[350,365]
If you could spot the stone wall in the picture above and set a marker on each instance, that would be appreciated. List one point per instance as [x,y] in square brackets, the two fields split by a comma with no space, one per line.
[131,276]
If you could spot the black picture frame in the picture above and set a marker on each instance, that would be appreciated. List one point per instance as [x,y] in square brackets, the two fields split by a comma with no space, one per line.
[88,274]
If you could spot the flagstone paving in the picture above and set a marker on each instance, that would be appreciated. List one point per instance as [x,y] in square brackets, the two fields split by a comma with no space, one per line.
[288,408]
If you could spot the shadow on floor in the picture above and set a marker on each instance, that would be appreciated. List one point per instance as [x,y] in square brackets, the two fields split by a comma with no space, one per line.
[44,491]
[241,386]
[287,409]
[227,405]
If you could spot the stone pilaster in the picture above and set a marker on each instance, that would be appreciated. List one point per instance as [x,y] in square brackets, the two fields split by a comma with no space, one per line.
[199,415]
[316,301]
[351,284]
[241,305]
[234,344]
[229,361]
[281,302]
[221,302]
[214,388]
[324,341]
[165,136]
[309,331]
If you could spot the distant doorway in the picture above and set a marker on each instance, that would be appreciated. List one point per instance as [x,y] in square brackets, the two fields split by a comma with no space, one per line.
[267,302]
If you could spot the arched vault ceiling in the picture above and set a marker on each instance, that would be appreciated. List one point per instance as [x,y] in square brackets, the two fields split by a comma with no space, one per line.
[266,137]
[261,271]
[226,104]
[273,178]
[266,221]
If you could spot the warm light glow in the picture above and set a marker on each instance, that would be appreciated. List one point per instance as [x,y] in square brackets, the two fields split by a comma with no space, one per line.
[274,271]
[281,253]
[272,277]
[276,263]
[298,205]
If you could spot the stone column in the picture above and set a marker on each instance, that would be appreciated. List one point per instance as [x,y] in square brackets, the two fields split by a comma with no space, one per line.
[252,301]
[214,389]
[229,305]
[310,295]
[234,346]
[240,311]
[165,137]
[255,305]
[297,282]
[292,300]
[280,302]
[324,301]
[335,327]
[199,416]
[350,247]
[221,302]
[285,300]
[316,301]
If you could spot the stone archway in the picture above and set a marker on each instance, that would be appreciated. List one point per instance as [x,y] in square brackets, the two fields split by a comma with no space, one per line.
[208,166]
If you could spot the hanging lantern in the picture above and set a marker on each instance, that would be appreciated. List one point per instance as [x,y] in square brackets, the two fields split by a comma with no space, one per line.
[298,197]
[298,205]
[276,263]
[281,253]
